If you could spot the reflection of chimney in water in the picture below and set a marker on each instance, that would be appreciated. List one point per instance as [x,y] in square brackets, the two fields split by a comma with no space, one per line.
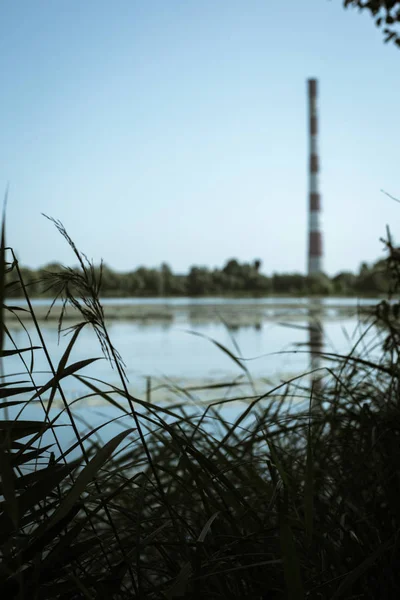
[314,208]
[315,341]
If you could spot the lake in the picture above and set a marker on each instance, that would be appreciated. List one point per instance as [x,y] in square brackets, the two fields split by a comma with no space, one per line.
[274,347]
[273,340]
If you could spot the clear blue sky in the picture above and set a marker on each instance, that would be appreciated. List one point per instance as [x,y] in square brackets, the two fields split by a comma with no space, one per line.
[176,130]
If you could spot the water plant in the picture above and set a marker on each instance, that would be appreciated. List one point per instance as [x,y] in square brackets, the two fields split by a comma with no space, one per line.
[280,503]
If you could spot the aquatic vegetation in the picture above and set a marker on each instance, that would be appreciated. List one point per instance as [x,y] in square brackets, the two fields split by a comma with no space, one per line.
[276,504]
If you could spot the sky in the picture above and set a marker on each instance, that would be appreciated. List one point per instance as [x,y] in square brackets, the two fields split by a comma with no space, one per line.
[176,131]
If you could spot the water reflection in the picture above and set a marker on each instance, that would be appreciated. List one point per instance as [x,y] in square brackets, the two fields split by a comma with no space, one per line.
[315,341]
[204,301]
[234,318]
[235,327]
[169,350]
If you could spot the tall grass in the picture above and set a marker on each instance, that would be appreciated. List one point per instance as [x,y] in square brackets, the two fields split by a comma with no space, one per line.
[277,504]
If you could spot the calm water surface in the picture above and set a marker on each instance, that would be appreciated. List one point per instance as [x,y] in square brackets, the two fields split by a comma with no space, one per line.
[172,350]
[166,351]
[182,301]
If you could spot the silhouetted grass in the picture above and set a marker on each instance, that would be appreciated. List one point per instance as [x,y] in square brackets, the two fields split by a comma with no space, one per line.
[280,503]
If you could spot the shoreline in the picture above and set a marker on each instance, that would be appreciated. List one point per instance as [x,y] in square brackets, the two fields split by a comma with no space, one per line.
[236,314]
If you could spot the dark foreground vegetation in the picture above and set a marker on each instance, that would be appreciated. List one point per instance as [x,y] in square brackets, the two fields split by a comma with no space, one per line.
[298,498]
[233,279]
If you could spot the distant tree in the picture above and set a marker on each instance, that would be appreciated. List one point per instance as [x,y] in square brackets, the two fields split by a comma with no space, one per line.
[152,281]
[373,279]
[218,278]
[319,284]
[165,280]
[235,283]
[257,264]
[179,285]
[232,267]
[262,284]
[364,269]
[236,278]
[248,275]
[29,277]
[386,14]
[131,284]
[53,267]
[374,282]
[344,282]
[199,281]
[111,282]
[289,283]
[149,281]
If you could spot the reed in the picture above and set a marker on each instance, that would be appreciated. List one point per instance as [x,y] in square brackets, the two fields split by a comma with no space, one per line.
[280,503]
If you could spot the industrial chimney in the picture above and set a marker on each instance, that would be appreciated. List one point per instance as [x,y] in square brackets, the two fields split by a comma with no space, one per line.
[314,225]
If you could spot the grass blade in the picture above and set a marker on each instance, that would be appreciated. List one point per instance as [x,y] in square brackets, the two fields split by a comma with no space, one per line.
[90,471]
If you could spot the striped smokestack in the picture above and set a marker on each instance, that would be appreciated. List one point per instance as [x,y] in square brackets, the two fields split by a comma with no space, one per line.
[314,225]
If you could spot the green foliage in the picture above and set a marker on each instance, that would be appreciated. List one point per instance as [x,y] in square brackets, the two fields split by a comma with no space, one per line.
[241,279]
[278,504]
[344,283]
[199,281]
[320,284]
[292,283]
[386,14]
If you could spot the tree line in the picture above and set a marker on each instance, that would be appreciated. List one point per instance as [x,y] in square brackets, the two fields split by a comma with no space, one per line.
[233,279]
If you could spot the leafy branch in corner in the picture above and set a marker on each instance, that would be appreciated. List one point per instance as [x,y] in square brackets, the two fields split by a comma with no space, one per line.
[386,14]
